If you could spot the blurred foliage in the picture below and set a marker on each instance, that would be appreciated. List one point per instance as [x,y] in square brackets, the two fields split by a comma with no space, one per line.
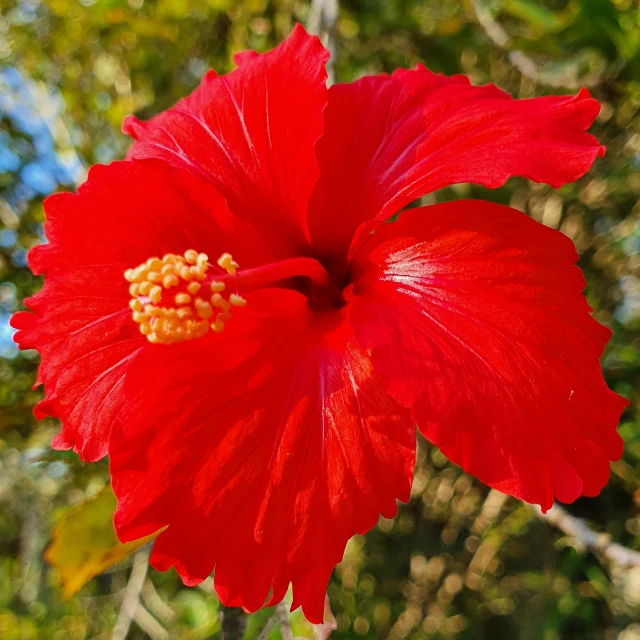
[84,543]
[458,561]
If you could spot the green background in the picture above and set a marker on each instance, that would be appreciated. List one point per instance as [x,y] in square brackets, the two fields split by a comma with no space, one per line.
[457,561]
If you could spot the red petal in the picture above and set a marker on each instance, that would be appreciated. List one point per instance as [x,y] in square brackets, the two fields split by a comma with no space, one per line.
[389,140]
[264,449]
[87,339]
[252,134]
[81,323]
[476,318]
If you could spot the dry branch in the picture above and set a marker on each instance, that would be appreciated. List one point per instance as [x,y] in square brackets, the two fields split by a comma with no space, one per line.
[131,598]
[598,543]
[322,21]
[524,63]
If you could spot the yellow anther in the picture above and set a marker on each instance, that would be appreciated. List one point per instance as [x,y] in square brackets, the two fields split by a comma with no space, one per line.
[203,261]
[203,308]
[201,328]
[170,325]
[226,262]
[191,256]
[155,293]
[192,317]
[217,287]
[225,310]
[184,272]
[218,301]
[134,275]
[170,280]
[218,325]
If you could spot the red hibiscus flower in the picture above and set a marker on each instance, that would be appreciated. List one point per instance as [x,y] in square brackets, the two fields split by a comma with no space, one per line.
[264,413]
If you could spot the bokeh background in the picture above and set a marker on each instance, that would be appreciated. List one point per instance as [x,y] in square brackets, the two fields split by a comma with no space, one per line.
[458,561]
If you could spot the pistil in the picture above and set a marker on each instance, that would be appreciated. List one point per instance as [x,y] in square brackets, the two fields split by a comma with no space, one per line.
[259,277]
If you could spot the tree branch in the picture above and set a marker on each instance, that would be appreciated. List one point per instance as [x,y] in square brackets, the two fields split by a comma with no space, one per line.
[266,630]
[598,543]
[131,594]
[524,63]
[324,630]
[156,605]
[149,624]
[322,21]
[491,508]
[283,619]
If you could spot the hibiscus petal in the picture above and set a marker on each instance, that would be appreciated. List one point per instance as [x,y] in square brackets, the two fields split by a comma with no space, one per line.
[252,134]
[81,322]
[86,339]
[389,140]
[477,321]
[263,449]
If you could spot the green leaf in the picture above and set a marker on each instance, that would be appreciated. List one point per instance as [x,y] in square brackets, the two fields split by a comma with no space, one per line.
[538,16]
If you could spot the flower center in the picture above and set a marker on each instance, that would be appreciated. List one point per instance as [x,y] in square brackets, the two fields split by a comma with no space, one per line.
[176,297]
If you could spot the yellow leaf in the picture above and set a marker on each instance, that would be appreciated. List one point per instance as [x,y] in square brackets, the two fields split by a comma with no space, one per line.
[84,542]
